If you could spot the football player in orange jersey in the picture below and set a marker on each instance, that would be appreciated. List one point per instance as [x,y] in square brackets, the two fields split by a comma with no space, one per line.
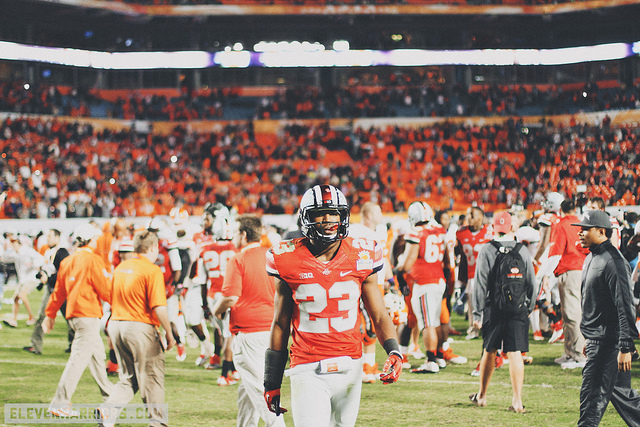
[547,223]
[319,279]
[425,256]
[213,260]
[371,228]
[471,239]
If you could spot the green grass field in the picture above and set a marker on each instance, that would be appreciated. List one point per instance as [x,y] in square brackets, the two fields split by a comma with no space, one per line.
[551,395]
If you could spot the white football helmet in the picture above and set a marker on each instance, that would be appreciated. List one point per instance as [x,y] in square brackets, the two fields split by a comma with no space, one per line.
[217,210]
[179,216]
[419,212]
[396,307]
[322,198]
[223,228]
[553,201]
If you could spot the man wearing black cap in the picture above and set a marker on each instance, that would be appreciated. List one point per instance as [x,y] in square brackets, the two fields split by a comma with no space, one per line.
[608,318]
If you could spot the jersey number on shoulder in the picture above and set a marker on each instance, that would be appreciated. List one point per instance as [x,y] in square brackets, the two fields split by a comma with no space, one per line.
[313,300]
[284,247]
[368,245]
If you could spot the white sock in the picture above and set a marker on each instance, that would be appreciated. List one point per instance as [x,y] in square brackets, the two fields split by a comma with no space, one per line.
[534,319]
[369,358]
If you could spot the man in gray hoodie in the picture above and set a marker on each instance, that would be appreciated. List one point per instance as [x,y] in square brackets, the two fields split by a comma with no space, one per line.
[501,327]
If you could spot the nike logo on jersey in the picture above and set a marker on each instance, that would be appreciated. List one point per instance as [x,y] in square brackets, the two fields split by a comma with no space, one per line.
[344,273]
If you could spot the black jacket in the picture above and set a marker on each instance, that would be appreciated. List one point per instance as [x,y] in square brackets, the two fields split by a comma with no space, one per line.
[607,306]
[61,254]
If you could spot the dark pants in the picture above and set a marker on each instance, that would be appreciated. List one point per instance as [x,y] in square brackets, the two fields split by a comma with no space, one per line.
[602,382]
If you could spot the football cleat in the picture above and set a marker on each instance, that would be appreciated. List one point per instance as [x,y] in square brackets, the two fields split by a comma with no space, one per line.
[206,351]
[451,357]
[236,375]
[528,360]
[416,352]
[182,353]
[472,334]
[572,364]
[10,323]
[557,337]
[537,336]
[31,349]
[405,362]
[370,373]
[225,381]
[476,372]
[112,368]
[63,412]
[441,363]
[562,359]
[499,362]
[214,363]
[427,368]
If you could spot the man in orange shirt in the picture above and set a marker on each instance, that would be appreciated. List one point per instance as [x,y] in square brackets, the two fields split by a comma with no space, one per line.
[83,282]
[249,291]
[138,307]
[566,257]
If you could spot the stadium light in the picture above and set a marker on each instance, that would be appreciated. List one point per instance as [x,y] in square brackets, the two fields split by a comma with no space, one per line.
[305,54]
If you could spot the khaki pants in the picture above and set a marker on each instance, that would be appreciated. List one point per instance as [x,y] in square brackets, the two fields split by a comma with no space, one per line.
[248,357]
[141,359]
[38,333]
[569,284]
[87,350]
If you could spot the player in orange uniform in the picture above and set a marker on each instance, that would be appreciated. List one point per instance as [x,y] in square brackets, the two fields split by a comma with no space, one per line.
[471,239]
[213,260]
[171,266]
[319,280]
[424,260]
[547,224]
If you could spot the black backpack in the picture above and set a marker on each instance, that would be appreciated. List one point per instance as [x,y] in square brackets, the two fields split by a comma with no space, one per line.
[507,286]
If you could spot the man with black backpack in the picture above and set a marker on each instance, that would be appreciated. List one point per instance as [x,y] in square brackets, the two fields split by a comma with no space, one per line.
[503,297]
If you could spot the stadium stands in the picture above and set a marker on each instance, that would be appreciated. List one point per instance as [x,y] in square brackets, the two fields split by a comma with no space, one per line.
[55,167]
[382,100]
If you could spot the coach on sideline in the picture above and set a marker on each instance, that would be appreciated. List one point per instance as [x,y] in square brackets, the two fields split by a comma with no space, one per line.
[83,282]
[138,307]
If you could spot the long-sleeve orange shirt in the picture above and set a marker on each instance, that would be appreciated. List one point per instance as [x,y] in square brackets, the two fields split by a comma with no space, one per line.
[83,282]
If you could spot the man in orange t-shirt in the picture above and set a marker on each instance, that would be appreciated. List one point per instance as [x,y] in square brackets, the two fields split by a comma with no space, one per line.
[83,282]
[138,307]
[566,257]
[249,291]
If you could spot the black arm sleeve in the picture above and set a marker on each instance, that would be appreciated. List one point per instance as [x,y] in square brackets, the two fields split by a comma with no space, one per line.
[274,364]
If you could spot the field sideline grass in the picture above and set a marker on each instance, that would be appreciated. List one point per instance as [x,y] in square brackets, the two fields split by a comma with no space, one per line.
[551,395]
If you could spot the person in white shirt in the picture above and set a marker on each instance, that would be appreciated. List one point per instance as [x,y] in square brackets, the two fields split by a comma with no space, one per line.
[28,262]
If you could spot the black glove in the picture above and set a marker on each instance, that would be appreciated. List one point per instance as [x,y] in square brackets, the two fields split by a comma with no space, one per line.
[207,312]
[402,285]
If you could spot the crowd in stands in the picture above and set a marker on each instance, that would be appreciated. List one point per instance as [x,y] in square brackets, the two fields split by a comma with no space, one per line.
[52,168]
[390,99]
